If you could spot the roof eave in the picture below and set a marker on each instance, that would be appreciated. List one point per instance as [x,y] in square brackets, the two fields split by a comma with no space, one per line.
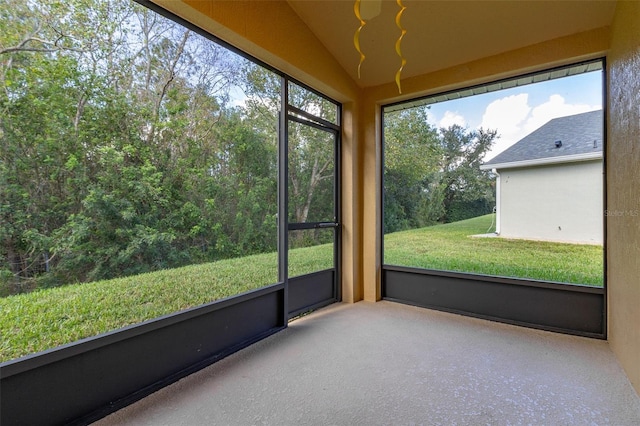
[589,156]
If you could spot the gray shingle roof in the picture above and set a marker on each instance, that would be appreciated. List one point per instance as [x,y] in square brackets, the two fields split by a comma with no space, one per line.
[579,134]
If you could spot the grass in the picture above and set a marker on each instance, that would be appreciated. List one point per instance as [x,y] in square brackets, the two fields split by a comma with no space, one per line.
[44,319]
[451,247]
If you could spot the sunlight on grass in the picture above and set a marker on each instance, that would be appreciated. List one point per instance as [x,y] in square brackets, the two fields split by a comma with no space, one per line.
[48,318]
[450,247]
[44,319]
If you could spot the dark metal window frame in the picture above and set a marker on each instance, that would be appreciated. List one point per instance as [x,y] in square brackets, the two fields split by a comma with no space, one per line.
[83,381]
[559,307]
[310,291]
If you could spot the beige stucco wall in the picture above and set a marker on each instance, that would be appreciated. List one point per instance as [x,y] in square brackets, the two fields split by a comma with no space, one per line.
[554,203]
[623,188]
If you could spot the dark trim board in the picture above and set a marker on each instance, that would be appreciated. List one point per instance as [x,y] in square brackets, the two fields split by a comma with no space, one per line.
[570,309]
[311,291]
[84,381]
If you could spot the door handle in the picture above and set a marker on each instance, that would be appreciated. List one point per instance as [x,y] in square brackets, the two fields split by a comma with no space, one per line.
[326,225]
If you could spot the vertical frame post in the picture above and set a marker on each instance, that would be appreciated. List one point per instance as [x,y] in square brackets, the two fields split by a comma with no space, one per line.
[283,203]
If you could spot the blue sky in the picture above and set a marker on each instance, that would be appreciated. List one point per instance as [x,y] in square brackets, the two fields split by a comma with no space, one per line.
[517,112]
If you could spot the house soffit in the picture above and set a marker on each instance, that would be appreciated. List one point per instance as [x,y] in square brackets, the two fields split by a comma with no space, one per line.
[593,156]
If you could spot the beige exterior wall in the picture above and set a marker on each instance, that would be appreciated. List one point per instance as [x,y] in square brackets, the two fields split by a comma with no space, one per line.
[623,188]
[561,202]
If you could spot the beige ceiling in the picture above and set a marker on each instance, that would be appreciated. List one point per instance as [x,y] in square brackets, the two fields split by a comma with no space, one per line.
[441,34]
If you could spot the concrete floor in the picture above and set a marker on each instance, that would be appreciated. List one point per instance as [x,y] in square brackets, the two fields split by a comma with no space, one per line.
[391,364]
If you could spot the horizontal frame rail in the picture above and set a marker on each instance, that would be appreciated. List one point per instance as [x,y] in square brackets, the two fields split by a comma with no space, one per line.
[310,119]
[312,225]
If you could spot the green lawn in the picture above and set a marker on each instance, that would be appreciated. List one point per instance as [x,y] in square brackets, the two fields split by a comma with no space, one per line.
[451,247]
[44,319]
[47,318]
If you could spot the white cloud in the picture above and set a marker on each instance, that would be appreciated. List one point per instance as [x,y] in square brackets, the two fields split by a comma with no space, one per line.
[556,106]
[432,119]
[514,118]
[508,116]
[450,118]
[507,113]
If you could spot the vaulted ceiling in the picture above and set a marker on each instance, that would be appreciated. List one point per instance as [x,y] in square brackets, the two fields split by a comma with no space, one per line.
[441,34]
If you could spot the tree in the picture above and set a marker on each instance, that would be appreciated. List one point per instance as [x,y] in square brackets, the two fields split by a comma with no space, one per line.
[311,151]
[468,191]
[433,175]
[120,153]
[411,166]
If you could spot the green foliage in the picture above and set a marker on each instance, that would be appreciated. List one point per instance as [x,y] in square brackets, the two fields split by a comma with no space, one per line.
[433,176]
[451,247]
[468,191]
[311,162]
[411,154]
[119,153]
[6,281]
[44,319]
[461,209]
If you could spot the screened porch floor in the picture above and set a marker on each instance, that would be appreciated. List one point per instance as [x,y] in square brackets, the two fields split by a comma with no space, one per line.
[391,364]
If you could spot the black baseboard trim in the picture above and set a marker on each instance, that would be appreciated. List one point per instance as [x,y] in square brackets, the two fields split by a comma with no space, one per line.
[564,308]
[311,291]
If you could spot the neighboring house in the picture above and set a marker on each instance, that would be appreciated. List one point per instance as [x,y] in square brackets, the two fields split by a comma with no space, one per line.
[549,185]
